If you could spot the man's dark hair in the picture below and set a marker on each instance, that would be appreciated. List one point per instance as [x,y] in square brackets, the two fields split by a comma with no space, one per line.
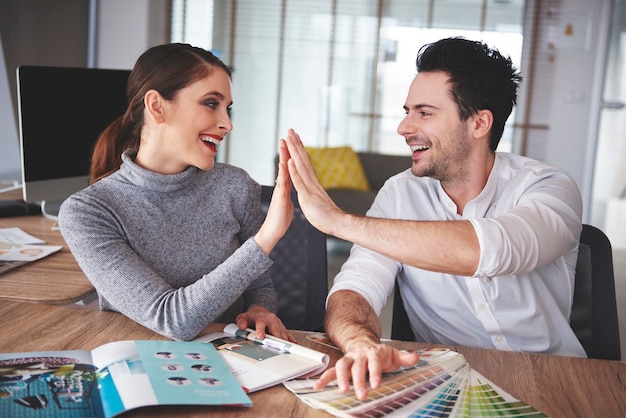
[481,78]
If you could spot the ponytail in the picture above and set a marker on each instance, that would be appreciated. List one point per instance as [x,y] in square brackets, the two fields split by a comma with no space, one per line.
[107,153]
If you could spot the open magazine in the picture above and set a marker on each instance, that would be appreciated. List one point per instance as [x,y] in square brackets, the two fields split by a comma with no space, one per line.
[18,248]
[442,384]
[258,364]
[115,378]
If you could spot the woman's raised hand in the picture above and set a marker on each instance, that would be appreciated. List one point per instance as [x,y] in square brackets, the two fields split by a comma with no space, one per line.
[280,210]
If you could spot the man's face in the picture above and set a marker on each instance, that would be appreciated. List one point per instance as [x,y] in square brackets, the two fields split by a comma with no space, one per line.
[439,140]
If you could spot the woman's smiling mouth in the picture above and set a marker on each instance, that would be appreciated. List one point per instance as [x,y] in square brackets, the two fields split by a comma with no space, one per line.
[211,141]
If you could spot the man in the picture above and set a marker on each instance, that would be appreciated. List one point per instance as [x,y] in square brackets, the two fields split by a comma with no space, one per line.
[483,244]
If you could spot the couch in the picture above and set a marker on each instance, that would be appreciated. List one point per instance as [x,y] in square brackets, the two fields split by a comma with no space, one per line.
[378,168]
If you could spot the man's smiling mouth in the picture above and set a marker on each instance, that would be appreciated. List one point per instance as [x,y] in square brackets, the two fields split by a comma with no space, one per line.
[419,148]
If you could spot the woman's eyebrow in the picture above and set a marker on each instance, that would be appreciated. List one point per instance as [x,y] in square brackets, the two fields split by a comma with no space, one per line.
[214,93]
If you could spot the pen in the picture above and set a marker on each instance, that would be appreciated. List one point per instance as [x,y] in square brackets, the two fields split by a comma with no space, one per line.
[272,343]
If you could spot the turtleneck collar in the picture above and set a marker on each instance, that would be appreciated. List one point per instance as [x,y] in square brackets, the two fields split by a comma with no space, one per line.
[150,180]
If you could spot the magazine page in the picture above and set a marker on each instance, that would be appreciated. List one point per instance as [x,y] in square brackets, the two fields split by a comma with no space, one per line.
[15,235]
[24,252]
[13,256]
[279,344]
[258,364]
[17,249]
[133,374]
[49,383]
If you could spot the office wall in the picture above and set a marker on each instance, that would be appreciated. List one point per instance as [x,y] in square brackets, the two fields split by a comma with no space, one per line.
[43,32]
[125,29]
[56,33]
[563,101]
[34,32]
[561,107]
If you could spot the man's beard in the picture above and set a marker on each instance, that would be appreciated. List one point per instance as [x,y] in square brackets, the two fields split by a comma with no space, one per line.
[450,166]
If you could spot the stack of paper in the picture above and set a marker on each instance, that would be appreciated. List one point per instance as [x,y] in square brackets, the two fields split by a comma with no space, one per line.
[18,248]
[442,384]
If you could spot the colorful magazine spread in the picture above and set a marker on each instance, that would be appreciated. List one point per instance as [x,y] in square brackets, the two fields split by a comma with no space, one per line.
[261,363]
[114,378]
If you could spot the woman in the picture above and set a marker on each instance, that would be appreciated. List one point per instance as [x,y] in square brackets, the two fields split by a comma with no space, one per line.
[167,236]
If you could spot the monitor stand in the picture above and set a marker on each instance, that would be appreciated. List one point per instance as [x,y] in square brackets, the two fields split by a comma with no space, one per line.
[50,209]
[9,185]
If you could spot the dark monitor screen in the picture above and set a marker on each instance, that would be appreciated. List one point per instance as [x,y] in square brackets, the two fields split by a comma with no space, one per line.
[62,110]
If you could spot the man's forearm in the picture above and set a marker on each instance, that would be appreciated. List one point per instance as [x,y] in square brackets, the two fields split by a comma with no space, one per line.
[444,246]
[350,321]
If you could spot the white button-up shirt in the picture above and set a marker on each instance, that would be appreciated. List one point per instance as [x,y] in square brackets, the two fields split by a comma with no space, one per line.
[528,223]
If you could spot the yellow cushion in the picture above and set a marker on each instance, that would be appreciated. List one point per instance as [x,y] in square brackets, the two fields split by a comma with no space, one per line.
[338,168]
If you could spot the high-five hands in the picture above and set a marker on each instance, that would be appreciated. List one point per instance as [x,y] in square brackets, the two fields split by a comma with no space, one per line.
[317,206]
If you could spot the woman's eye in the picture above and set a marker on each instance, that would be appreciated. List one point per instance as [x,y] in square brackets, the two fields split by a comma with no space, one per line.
[211,103]
[229,110]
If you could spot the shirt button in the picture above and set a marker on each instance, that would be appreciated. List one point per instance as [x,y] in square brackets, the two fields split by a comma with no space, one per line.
[498,339]
[450,205]
[481,306]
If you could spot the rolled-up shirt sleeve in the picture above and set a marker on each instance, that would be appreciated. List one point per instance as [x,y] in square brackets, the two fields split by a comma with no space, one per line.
[368,273]
[543,224]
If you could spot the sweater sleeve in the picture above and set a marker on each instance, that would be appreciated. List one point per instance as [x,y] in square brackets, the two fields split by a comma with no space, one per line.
[261,291]
[127,284]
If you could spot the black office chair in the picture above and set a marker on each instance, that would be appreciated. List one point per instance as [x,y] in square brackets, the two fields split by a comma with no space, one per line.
[299,271]
[594,308]
[400,325]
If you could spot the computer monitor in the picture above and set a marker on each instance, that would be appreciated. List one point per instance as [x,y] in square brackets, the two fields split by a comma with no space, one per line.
[62,110]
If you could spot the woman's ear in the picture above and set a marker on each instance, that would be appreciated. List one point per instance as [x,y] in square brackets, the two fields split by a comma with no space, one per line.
[154,105]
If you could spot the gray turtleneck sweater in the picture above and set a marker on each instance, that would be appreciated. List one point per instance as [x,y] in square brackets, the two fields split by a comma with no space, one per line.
[172,252]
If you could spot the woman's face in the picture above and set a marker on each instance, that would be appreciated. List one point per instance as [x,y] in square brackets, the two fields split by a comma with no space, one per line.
[194,125]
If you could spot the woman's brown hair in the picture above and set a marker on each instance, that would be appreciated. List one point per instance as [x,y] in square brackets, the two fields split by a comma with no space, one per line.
[165,68]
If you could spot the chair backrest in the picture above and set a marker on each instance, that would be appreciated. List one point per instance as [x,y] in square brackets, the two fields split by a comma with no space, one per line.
[299,271]
[400,325]
[594,308]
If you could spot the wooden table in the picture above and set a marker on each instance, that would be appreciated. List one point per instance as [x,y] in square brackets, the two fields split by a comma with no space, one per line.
[55,279]
[558,386]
